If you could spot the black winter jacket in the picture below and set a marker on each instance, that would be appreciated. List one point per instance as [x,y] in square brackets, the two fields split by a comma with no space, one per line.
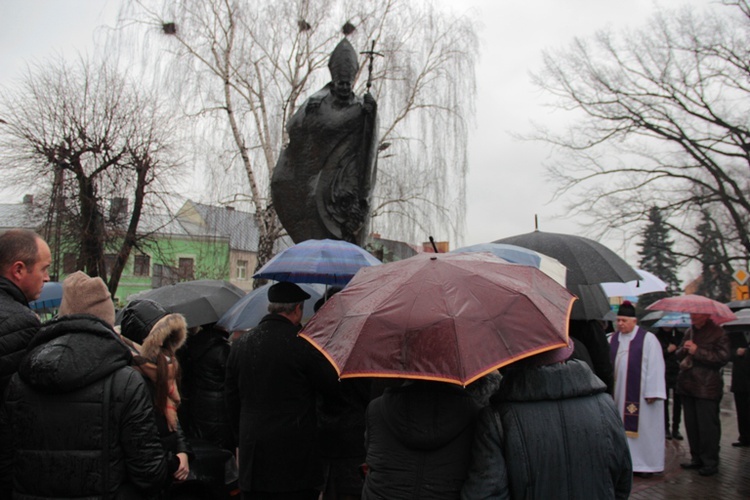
[273,380]
[54,442]
[550,432]
[18,324]
[203,360]
[418,442]
[740,364]
[667,336]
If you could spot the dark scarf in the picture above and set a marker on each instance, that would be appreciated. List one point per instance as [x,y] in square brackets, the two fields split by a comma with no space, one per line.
[632,408]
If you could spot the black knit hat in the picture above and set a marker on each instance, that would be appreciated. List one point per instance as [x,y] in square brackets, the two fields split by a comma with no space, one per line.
[139,317]
[626,309]
[285,292]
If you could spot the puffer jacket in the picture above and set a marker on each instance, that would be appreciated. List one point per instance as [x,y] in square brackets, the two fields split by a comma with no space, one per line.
[18,324]
[550,432]
[54,442]
[700,373]
[418,442]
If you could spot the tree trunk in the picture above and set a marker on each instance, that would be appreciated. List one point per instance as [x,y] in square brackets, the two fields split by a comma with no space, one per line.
[92,230]
[143,166]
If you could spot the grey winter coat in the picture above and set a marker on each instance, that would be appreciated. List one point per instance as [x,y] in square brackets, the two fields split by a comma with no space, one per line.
[550,432]
[54,442]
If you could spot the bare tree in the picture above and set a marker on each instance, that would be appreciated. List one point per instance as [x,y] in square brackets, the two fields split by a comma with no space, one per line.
[661,121]
[85,137]
[242,69]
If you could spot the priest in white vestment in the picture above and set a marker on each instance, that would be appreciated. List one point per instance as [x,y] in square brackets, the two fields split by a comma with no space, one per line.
[640,390]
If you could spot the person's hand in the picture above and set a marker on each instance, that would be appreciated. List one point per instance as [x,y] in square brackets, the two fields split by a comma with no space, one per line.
[741,351]
[184,469]
[651,400]
[671,348]
[690,346]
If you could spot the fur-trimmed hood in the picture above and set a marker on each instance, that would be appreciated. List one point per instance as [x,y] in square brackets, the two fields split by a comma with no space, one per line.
[169,332]
[149,327]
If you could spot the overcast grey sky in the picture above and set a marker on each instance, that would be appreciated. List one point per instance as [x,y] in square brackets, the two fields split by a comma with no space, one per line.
[505,184]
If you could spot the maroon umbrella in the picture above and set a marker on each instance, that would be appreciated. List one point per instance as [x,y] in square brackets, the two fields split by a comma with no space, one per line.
[696,304]
[445,317]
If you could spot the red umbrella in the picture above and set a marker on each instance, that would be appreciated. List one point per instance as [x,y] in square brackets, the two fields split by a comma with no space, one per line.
[696,304]
[445,317]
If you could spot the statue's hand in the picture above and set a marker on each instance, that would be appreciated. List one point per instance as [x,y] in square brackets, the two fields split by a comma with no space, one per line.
[369,102]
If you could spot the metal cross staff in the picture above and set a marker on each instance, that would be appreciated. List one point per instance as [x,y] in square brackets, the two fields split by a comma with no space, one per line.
[371,56]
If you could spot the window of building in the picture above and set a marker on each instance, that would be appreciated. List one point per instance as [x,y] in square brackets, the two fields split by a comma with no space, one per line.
[109,262]
[241,269]
[186,269]
[141,265]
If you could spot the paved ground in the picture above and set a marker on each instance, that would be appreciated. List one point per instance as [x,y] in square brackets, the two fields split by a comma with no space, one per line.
[732,482]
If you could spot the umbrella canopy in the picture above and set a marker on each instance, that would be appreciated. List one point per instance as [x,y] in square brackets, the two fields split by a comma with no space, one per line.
[592,302]
[741,324]
[445,317]
[201,301]
[651,318]
[50,297]
[696,304]
[247,312]
[588,263]
[519,255]
[649,283]
[331,262]
[673,320]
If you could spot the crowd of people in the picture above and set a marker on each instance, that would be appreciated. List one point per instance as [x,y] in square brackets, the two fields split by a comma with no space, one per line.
[93,410]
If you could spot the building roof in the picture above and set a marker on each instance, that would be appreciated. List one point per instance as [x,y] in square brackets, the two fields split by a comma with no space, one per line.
[20,215]
[239,226]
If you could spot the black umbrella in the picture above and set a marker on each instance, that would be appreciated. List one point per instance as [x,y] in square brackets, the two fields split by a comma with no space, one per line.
[741,324]
[589,263]
[649,319]
[736,305]
[201,301]
[592,302]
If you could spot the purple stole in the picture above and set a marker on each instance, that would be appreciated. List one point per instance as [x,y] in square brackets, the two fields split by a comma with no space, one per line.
[633,379]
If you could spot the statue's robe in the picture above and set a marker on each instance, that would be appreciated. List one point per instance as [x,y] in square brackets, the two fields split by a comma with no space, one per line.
[322,184]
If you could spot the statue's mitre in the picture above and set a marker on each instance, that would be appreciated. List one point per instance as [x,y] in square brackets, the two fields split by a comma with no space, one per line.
[344,62]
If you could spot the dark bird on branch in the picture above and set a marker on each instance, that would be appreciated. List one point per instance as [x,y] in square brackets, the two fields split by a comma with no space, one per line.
[348,28]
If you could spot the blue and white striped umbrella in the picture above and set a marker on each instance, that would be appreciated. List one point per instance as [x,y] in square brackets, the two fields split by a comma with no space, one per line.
[331,262]
[520,255]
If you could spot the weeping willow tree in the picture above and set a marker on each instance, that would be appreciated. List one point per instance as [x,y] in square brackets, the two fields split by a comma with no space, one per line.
[241,69]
